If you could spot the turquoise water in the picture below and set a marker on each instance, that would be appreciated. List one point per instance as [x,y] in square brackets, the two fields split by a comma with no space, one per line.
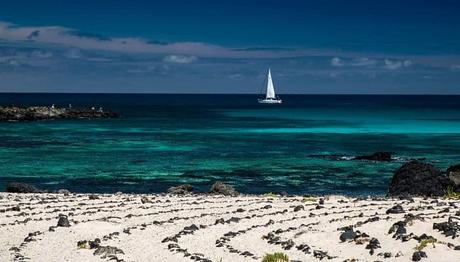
[301,146]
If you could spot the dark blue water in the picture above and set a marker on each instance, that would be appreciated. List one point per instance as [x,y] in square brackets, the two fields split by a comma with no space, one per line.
[301,146]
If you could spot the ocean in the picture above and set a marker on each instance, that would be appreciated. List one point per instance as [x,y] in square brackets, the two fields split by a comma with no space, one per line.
[303,146]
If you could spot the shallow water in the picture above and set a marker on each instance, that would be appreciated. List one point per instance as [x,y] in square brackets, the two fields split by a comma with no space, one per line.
[301,146]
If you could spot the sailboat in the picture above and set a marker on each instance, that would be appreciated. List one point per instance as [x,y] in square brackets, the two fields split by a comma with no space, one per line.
[270,97]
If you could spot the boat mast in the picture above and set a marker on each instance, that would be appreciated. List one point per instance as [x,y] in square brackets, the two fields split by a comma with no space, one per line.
[270,88]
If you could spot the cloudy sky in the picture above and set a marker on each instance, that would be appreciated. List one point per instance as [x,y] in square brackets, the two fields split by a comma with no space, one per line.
[365,47]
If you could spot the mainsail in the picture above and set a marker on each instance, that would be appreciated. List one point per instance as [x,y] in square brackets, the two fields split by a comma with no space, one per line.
[270,87]
[270,97]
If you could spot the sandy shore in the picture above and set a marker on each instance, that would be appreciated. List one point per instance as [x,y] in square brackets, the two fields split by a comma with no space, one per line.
[218,228]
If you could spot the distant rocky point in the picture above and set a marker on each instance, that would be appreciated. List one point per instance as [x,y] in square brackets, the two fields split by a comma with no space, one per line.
[34,113]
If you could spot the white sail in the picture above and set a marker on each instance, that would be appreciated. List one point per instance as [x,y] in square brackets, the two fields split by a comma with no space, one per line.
[270,87]
[270,97]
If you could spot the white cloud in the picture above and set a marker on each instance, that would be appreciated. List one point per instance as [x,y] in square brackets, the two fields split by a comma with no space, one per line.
[407,63]
[336,62]
[392,65]
[396,64]
[41,54]
[179,59]
[235,76]
[14,62]
[73,53]
[62,36]
[363,62]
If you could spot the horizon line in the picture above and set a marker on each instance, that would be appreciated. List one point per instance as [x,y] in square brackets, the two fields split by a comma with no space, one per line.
[165,93]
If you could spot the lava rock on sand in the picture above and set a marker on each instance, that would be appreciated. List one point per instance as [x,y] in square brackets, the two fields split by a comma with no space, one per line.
[17,187]
[419,178]
[63,221]
[223,189]
[180,189]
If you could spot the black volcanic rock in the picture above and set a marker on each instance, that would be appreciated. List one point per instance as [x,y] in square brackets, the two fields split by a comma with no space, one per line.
[223,189]
[17,187]
[349,234]
[418,178]
[298,208]
[63,221]
[398,209]
[180,190]
[453,173]
[377,156]
[35,113]
[418,255]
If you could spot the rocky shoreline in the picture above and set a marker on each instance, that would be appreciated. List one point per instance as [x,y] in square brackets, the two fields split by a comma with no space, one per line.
[413,178]
[419,220]
[35,113]
[215,227]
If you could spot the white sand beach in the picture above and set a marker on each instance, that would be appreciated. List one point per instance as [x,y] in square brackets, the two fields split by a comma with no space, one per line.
[220,228]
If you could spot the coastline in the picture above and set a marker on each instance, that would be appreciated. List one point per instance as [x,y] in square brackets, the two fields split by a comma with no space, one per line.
[165,227]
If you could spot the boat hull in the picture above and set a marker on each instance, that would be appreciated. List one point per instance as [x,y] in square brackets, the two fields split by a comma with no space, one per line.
[270,101]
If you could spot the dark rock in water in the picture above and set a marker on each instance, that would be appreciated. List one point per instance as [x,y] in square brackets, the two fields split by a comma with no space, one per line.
[418,178]
[63,191]
[181,189]
[453,173]
[17,187]
[35,113]
[63,221]
[377,156]
[349,234]
[283,193]
[398,209]
[223,189]
[418,255]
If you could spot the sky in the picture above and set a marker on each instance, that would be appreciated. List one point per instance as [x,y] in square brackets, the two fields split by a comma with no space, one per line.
[204,46]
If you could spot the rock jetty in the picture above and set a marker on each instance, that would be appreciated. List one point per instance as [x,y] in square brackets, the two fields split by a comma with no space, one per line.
[34,113]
